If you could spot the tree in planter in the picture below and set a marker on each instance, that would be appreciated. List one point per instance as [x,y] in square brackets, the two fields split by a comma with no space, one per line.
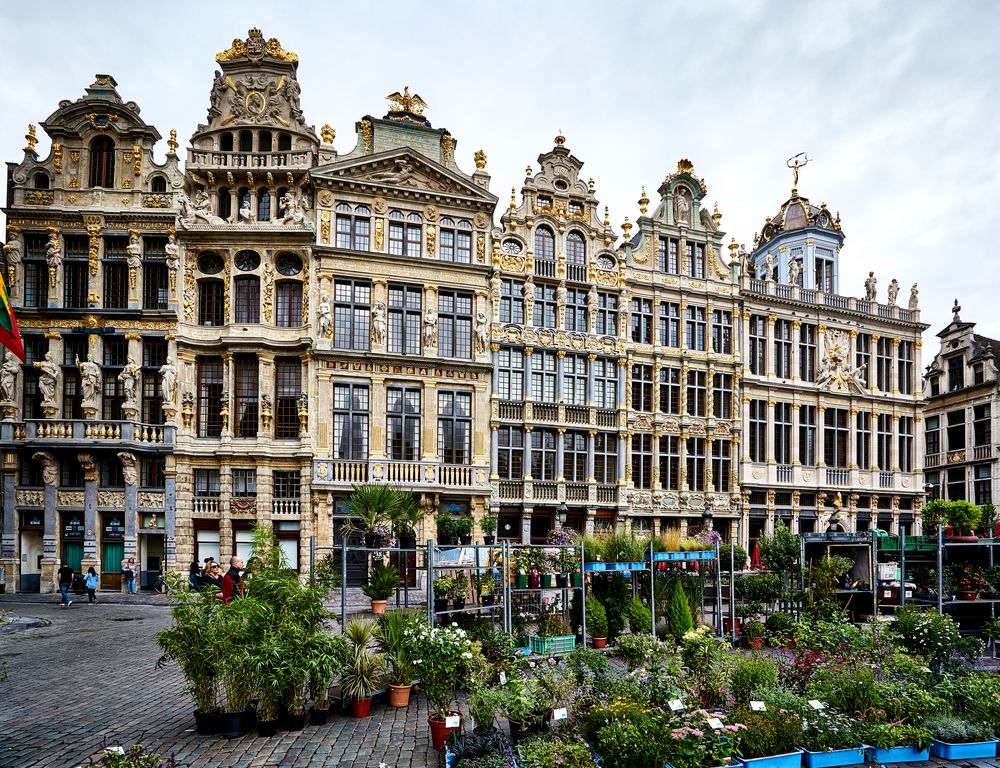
[597,622]
[963,517]
[363,668]
[679,612]
[780,552]
[463,527]
[446,529]
[489,526]
[391,639]
[382,583]
[732,553]
[372,507]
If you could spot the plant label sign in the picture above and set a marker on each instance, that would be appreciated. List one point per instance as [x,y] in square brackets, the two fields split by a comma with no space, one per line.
[676,705]
[453,721]
[560,713]
[714,723]
[816,704]
[758,706]
[503,678]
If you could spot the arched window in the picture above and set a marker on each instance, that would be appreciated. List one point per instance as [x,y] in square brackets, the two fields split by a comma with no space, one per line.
[41,181]
[102,162]
[246,141]
[576,248]
[353,230]
[264,141]
[263,205]
[226,142]
[225,206]
[404,238]
[456,241]
[158,184]
[284,142]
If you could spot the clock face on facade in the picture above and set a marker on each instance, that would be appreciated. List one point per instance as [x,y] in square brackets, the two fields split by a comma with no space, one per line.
[605,262]
[511,247]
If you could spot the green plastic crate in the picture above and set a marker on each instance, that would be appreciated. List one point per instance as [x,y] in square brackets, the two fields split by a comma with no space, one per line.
[563,644]
[921,544]
[889,544]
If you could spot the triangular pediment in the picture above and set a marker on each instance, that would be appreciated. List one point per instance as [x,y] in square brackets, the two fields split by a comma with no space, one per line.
[401,170]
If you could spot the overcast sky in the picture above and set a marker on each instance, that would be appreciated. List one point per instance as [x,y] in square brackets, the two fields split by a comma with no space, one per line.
[896,103]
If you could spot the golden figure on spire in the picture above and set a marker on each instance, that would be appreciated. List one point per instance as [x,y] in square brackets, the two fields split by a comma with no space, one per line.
[795,162]
[404,102]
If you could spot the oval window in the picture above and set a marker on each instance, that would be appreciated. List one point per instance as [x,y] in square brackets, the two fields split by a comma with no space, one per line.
[210,263]
[247,260]
[288,264]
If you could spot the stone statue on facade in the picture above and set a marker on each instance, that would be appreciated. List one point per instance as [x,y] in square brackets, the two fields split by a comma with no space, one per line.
[295,207]
[48,378]
[682,206]
[90,381]
[168,381]
[430,328]
[325,314]
[835,371]
[218,93]
[50,467]
[769,267]
[13,250]
[482,331]
[173,251]
[744,258]
[561,294]
[130,467]
[378,322]
[53,251]
[292,93]
[914,297]
[892,292]
[8,377]
[400,172]
[245,212]
[794,271]
[200,208]
[129,377]
[133,251]
[870,283]
[592,306]
[496,283]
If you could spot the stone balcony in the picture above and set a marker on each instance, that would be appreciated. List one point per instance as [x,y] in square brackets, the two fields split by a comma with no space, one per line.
[290,160]
[416,475]
[808,296]
[79,434]
[557,414]
[543,491]
[799,477]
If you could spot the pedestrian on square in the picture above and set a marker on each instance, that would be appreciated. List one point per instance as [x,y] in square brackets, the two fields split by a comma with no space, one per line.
[232,582]
[213,579]
[64,577]
[207,570]
[194,576]
[128,573]
[90,582]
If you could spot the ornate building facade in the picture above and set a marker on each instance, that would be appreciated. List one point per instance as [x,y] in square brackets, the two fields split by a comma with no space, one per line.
[962,408]
[831,401]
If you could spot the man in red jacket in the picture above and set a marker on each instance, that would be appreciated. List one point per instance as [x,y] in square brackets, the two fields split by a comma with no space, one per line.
[232,582]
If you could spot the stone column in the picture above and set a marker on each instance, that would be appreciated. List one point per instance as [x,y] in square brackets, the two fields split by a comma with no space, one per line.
[170,513]
[8,543]
[591,362]
[50,561]
[528,352]
[481,447]
[771,320]
[794,443]
[526,514]
[769,438]
[526,452]
[591,435]
[428,423]
[377,425]
[819,442]
[560,455]
[494,452]
[130,471]
[90,553]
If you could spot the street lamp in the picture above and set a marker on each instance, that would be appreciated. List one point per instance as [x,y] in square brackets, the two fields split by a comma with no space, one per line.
[561,511]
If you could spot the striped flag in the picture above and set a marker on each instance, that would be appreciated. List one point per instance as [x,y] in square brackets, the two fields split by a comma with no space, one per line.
[9,335]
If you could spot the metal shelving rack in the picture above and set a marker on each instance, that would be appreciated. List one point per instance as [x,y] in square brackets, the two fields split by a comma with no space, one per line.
[510,550]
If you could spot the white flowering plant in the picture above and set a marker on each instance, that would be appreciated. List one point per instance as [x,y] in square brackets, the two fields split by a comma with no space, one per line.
[442,657]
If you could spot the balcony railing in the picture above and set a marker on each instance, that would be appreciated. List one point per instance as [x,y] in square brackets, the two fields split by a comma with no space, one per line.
[252,159]
[981,451]
[784,473]
[576,272]
[576,414]
[544,491]
[350,472]
[285,506]
[932,459]
[511,490]
[838,476]
[607,494]
[509,410]
[545,411]
[205,505]
[79,430]
[405,473]
[577,492]
[885,479]
[607,418]
[545,268]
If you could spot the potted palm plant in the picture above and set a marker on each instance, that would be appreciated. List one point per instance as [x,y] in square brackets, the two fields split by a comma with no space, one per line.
[489,524]
[382,583]
[372,506]
[391,639]
[405,518]
[363,667]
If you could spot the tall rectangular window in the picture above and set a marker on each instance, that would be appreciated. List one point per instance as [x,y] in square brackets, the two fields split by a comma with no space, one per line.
[247,290]
[151,472]
[403,423]
[207,483]
[115,273]
[576,311]
[642,387]
[350,421]
[34,351]
[932,435]
[211,307]
[247,396]
[757,438]
[783,349]
[670,391]
[956,373]
[783,433]
[904,454]
[575,457]
[455,427]
[606,457]
[670,463]
[696,463]
[543,454]
[455,324]
[981,430]
[863,357]
[74,346]
[982,484]
[835,437]
[510,373]
[574,383]
[883,441]
[351,314]
[883,364]
[863,438]
[642,321]
[210,384]
[904,365]
[512,302]
[510,453]
[722,395]
[405,319]
[722,332]
[722,466]
[824,270]
[670,324]
[696,393]
[76,273]
[807,435]
[956,483]
[642,460]
[807,352]
[245,483]
[543,377]
[36,273]
[404,236]
[694,328]
[605,383]
[288,304]
[115,358]
[758,345]
[154,272]
[455,242]
[694,260]
[353,230]
[956,430]
[544,313]
[607,314]
[666,255]
[287,484]
[287,390]
[154,356]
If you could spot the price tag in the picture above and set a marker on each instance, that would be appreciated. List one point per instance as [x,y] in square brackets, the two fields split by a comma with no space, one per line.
[676,705]
[758,706]
[503,678]
[560,714]
[453,721]
[714,723]
[816,704]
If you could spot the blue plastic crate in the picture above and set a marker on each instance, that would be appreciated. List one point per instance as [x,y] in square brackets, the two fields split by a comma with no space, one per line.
[834,758]
[898,755]
[976,750]
[787,760]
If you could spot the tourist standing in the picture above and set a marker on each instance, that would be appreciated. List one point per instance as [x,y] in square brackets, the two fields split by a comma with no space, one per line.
[194,576]
[90,582]
[128,573]
[64,577]
[232,582]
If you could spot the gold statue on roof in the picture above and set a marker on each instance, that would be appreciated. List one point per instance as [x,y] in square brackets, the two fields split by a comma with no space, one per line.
[795,162]
[405,102]
[255,48]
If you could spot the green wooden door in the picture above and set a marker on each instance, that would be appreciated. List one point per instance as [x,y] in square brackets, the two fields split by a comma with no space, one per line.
[112,554]
[73,554]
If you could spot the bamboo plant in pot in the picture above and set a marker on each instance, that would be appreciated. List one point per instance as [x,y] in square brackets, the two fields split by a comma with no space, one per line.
[327,655]
[363,667]
[489,525]
[382,583]
[391,639]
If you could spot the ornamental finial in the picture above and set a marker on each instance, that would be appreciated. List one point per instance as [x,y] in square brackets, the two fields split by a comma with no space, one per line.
[172,144]
[31,137]
[643,202]
[405,102]
[327,133]
[480,158]
[560,139]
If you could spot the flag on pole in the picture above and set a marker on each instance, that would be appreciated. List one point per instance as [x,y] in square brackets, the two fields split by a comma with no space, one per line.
[9,335]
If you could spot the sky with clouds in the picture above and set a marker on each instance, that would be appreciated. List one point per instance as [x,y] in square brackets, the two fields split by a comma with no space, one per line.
[896,103]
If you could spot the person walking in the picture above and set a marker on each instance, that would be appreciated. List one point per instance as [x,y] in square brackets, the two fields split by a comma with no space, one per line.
[64,577]
[90,582]
[232,582]
[128,573]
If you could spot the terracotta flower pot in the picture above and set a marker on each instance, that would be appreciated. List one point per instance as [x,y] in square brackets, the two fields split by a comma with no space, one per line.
[756,643]
[440,732]
[599,642]
[361,708]
[399,695]
[378,606]
[967,594]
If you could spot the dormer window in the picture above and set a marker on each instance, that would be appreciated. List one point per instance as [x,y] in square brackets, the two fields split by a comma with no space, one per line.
[158,184]
[102,163]
[41,181]
[978,373]
[956,373]
[544,201]
[575,206]
[824,270]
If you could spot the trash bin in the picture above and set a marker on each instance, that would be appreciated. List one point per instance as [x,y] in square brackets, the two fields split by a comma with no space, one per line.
[79,587]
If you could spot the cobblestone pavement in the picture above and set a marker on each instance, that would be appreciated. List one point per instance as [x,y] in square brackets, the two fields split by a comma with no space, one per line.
[91,675]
